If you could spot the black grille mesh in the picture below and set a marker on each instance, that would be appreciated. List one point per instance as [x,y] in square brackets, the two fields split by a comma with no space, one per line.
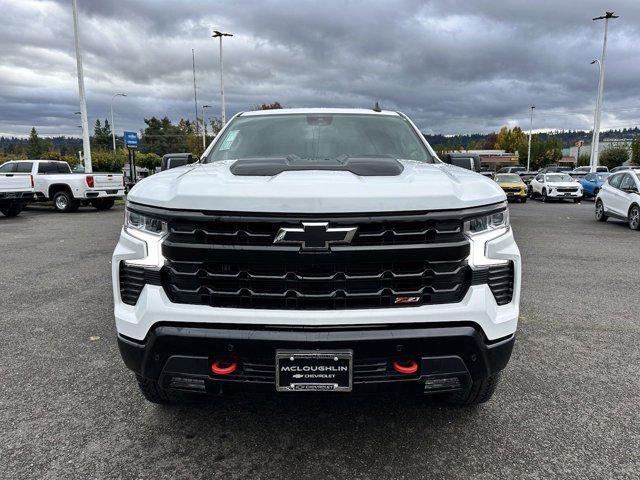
[260,232]
[500,280]
[133,278]
[303,286]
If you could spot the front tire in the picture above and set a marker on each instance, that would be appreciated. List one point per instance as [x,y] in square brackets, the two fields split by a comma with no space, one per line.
[634,218]
[523,200]
[12,210]
[577,200]
[64,202]
[544,196]
[481,391]
[152,391]
[601,216]
[103,203]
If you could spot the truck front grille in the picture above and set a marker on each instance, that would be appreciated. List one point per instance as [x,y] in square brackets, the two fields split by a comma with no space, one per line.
[294,285]
[372,231]
[392,261]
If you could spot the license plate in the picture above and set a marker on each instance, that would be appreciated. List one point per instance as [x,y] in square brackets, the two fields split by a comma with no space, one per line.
[314,371]
[112,192]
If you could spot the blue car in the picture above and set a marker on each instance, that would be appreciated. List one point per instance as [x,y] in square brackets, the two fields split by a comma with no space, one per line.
[592,183]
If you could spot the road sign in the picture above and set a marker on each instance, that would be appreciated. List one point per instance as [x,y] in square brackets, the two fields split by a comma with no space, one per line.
[131,139]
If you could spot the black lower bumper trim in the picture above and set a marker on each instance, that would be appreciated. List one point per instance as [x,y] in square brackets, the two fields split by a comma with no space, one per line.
[449,357]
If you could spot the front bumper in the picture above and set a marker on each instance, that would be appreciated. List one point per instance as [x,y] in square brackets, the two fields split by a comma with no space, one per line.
[560,195]
[449,357]
[478,307]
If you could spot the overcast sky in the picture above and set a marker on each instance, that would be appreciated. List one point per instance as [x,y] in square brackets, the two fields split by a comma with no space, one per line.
[454,66]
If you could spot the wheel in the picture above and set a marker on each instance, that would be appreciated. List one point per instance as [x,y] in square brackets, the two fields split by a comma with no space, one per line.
[64,202]
[601,216]
[481,391]
[577,200]
[12,210]
[103,203]
[544,196]
[523,200]
[152,391]
[634,218]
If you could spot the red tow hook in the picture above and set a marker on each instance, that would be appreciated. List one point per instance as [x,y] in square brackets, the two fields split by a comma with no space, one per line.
[406,367]
[218,369]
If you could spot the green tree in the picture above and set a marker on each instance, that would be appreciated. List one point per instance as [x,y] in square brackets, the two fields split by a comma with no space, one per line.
[148,160]
[35,146]
[635,151]
[102,136]
[613,156]
[584,159]
[162,137]
[510,140]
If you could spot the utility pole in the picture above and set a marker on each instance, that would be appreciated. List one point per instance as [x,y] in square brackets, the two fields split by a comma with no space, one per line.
[86,145]
[529,147]
[596,121]
[195,94]
[113,126]
[217,34]
[204,128]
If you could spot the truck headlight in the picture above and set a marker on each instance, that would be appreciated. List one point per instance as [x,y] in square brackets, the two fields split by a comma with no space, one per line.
[144,223]
[487,223]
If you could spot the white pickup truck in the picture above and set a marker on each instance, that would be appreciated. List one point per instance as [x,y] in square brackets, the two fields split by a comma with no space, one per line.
[53,180]
[16,189]
[325,250]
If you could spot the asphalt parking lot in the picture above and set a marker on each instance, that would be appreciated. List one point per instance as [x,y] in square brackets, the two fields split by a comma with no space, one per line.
[567,406]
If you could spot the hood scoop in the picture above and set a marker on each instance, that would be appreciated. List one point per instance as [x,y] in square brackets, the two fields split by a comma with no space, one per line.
[361,166]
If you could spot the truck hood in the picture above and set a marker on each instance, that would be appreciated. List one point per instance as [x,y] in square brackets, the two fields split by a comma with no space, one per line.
[419,187]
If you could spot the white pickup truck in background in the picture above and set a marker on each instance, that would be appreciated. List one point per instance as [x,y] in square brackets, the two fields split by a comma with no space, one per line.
[53,180]
[16,189]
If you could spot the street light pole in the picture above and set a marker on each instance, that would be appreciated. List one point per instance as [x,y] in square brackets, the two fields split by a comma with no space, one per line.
[596,121]
[195,94]
[204,128]
[529,147]
[113,126]
[218,34]
[86,145]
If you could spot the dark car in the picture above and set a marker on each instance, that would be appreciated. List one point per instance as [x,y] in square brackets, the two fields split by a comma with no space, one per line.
[173,160]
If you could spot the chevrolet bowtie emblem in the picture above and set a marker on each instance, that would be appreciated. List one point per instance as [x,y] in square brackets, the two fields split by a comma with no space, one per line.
[315,236]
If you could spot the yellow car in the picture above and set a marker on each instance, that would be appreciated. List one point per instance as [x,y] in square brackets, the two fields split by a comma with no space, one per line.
[513,186]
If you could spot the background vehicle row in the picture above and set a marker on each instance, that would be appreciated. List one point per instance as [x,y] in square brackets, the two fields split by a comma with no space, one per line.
[53,180]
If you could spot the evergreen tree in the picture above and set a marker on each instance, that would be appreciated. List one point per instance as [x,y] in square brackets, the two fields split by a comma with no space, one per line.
[35,146]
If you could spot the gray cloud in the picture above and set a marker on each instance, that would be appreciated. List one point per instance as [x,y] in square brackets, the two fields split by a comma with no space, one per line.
[454,66]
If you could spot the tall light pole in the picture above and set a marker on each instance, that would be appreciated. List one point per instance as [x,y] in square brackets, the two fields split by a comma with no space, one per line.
[529,147]
[217,34]
[596,121]
[204,128]
[86,145]
[113,126]
[195,94]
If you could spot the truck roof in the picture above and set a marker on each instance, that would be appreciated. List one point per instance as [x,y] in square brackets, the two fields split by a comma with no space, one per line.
[319,111]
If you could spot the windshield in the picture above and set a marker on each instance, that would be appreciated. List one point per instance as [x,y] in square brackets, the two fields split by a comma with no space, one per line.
[508,179]
[559,178]
[319,137]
